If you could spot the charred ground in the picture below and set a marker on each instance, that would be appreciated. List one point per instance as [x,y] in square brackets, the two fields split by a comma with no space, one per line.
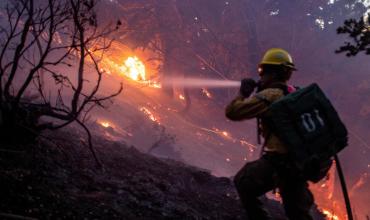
[58,180]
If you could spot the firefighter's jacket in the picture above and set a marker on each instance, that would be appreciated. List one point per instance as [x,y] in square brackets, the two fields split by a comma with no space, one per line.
[257,106]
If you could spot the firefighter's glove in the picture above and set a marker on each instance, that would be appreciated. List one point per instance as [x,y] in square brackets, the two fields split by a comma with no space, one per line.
[247,87]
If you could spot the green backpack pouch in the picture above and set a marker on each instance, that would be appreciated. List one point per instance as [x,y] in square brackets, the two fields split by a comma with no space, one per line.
[308,124]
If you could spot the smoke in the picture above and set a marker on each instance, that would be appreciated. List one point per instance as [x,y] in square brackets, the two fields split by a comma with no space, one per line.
[199,83]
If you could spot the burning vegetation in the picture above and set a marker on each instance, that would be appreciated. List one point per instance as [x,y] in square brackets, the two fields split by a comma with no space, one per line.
[134,69]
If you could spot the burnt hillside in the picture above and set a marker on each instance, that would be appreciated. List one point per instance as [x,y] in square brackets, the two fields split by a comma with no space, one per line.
[57,180]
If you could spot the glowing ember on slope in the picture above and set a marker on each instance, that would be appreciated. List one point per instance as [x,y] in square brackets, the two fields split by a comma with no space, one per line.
[155,85]
[224,134]
[207,93]
[250,146]
[149,114]
[134,69]
[105,124]
[359,183]
[181,97]
[329,215]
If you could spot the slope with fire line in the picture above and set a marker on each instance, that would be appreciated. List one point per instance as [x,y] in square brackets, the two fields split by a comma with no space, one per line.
[143,97]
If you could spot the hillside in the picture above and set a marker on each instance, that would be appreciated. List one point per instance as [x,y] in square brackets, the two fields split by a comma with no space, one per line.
[57,179]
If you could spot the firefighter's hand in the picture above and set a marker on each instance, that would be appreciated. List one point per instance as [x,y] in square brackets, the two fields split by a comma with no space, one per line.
[247,87]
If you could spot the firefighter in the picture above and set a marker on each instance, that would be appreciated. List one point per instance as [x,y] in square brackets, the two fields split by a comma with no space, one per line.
[274,170]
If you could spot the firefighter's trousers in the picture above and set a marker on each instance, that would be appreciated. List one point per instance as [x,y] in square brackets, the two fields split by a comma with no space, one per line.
[269,172]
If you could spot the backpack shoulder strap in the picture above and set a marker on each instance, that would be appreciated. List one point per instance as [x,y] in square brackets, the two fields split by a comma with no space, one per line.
[259,96]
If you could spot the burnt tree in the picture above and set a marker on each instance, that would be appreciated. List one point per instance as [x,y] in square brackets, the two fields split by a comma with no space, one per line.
[47,57]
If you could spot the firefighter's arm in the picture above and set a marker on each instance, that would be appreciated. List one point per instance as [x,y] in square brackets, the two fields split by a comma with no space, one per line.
[246,108]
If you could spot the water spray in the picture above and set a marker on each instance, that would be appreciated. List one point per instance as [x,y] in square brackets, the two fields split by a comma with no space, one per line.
[200,83]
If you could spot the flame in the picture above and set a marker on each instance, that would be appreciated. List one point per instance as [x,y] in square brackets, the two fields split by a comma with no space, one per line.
[326,197]
[149,114]
[181,97]
[105,124]
[154,84]
[134,69]
[224,134]
[329,215]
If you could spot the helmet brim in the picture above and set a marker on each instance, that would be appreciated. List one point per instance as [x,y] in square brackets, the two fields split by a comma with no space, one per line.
[289,65]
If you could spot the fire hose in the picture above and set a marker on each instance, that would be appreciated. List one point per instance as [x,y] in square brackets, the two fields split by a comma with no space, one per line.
[344,187]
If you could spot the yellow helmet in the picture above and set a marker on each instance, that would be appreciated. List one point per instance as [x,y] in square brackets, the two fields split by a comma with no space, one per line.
[278,56]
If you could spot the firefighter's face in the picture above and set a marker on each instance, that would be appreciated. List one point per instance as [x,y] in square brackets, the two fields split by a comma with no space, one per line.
[268,76]
[265,78]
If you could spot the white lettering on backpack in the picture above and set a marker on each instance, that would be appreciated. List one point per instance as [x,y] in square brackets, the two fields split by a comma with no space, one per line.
[318,117]
[309,123]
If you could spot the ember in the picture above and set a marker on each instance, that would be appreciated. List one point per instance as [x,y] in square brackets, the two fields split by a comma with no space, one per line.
[181,97]
[149,114]
[155,85]
[224,133]
[329,215]
[207,93]
[105,124]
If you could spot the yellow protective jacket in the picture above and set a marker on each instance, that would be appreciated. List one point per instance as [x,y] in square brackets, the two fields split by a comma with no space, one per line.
[256,106]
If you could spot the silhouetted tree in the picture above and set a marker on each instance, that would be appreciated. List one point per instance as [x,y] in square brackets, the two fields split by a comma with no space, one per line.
[46,47]
[359,33]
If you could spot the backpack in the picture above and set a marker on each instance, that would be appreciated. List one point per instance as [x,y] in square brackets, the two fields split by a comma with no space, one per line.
[307,123]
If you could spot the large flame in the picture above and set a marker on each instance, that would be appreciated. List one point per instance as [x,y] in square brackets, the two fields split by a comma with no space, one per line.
[134,69]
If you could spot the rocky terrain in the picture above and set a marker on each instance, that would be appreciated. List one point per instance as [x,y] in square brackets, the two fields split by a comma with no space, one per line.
[56,178]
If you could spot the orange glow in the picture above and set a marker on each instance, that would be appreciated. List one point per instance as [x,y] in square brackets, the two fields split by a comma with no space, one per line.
[181,97]
[326,198]
[224,133]
[105,124]
[134,69]
[207,93]
[329,215]
[155,85]
[277,197]
[149,114]
[359,183]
